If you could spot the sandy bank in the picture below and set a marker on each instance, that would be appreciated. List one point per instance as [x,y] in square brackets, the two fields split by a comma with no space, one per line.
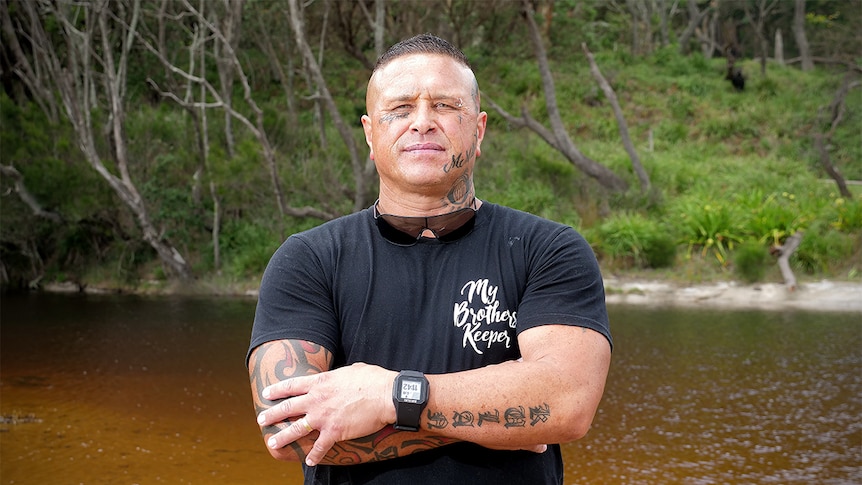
[817,296]
[820,296]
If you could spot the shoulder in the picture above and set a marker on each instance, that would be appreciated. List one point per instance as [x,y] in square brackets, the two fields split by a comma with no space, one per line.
[330,233]
[525,228]
[317,249]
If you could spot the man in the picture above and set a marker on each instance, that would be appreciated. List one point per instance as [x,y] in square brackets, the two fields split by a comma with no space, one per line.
[433,337]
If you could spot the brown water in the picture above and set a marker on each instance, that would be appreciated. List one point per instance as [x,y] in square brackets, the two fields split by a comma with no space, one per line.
[131,390]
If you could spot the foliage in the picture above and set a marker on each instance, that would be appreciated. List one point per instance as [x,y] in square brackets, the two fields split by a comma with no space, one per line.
[711,227]
[750,261]
[730,170]
[632,240]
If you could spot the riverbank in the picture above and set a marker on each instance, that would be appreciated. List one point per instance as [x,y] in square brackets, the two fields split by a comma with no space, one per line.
[823,295]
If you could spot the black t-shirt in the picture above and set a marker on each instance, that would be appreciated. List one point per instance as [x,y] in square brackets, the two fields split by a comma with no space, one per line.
[436,308]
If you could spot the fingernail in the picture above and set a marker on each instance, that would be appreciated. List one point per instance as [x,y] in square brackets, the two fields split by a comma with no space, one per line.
[309,462]
[261,419]
[265,393]
[272,443]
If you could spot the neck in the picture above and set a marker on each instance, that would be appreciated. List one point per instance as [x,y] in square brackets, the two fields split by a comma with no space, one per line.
[423,205]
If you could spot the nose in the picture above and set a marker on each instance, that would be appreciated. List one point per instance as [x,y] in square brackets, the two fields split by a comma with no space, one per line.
[424,119]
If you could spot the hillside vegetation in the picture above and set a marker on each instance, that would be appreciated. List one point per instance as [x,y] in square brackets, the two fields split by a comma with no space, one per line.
[733,173]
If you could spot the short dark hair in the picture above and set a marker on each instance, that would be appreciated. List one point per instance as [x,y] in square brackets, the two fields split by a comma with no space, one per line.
[422,44]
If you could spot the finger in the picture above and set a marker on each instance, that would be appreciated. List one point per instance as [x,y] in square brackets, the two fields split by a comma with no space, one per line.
[283,410]
[293,386]
[297,429]
[319,450]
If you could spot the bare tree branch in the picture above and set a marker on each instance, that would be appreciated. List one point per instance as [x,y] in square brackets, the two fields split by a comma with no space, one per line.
[29,74]
[28,198]
[557,136]
[835,116]
[784,252]
[621,120]
[694,17]
[74,79]
[359,174]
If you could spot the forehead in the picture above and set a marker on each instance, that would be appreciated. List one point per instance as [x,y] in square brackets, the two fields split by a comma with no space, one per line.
[413,74]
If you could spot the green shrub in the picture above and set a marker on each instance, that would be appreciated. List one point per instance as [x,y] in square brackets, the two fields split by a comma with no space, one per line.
[775,216]
[711,227]
[750,260]
[246,248]
[633,240]
[822,248]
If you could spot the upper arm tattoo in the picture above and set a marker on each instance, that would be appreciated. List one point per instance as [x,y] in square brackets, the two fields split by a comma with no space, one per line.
[282,359]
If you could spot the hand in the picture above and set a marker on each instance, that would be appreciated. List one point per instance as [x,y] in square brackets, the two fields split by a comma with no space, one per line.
[343,404]
[533,448]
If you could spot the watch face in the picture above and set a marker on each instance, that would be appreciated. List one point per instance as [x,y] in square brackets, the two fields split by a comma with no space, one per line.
[411,390]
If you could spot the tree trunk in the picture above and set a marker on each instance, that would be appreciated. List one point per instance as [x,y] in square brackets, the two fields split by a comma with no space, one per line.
[32,77]
[835,117]
[799,35]
[663,23]
[784,252]
[361,184]
[621,121]
[230,23]
[557,137]
[694,18]
[73,77]
[115,88]
[779,48]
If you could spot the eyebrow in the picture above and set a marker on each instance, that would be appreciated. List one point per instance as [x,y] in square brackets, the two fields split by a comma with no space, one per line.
[457,101]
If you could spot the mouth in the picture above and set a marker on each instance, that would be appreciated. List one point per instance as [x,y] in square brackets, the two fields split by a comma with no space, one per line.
[424,147]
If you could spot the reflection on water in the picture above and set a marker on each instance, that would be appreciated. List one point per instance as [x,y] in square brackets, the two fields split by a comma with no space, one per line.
[705,397]
[153,390]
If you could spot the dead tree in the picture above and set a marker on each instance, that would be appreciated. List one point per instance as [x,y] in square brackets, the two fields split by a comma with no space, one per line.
[89,77]
[362,170]
[784,252]
[255,125]
[695,15]
[26,196]
[835,114]
[621,120]
[557,137]
[799,35]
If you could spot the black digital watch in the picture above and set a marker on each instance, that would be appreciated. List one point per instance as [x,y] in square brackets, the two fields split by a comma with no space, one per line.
[410,395]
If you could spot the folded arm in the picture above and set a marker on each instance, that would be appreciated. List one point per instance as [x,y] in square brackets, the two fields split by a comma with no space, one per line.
[549,396]
[280,360]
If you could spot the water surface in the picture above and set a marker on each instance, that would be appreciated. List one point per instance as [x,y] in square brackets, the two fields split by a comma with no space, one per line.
[126,390]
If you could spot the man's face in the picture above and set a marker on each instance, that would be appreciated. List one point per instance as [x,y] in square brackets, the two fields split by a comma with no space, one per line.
[424,127]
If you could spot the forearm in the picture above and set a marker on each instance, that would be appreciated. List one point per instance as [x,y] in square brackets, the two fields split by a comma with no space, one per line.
[280,360]
[510,405]
[549,396]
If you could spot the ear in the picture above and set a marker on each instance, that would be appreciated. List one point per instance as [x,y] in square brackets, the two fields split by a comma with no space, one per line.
[481,122]
[366,127]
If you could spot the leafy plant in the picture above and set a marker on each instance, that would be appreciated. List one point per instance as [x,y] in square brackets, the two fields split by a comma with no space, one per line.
[633,240]
[711,227]
[750,260]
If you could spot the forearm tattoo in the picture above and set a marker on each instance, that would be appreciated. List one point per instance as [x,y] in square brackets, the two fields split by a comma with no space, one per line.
[383,445]
[513,417]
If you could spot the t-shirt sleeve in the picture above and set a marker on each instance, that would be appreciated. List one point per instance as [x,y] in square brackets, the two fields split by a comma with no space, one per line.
[295,300]
[565,286]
